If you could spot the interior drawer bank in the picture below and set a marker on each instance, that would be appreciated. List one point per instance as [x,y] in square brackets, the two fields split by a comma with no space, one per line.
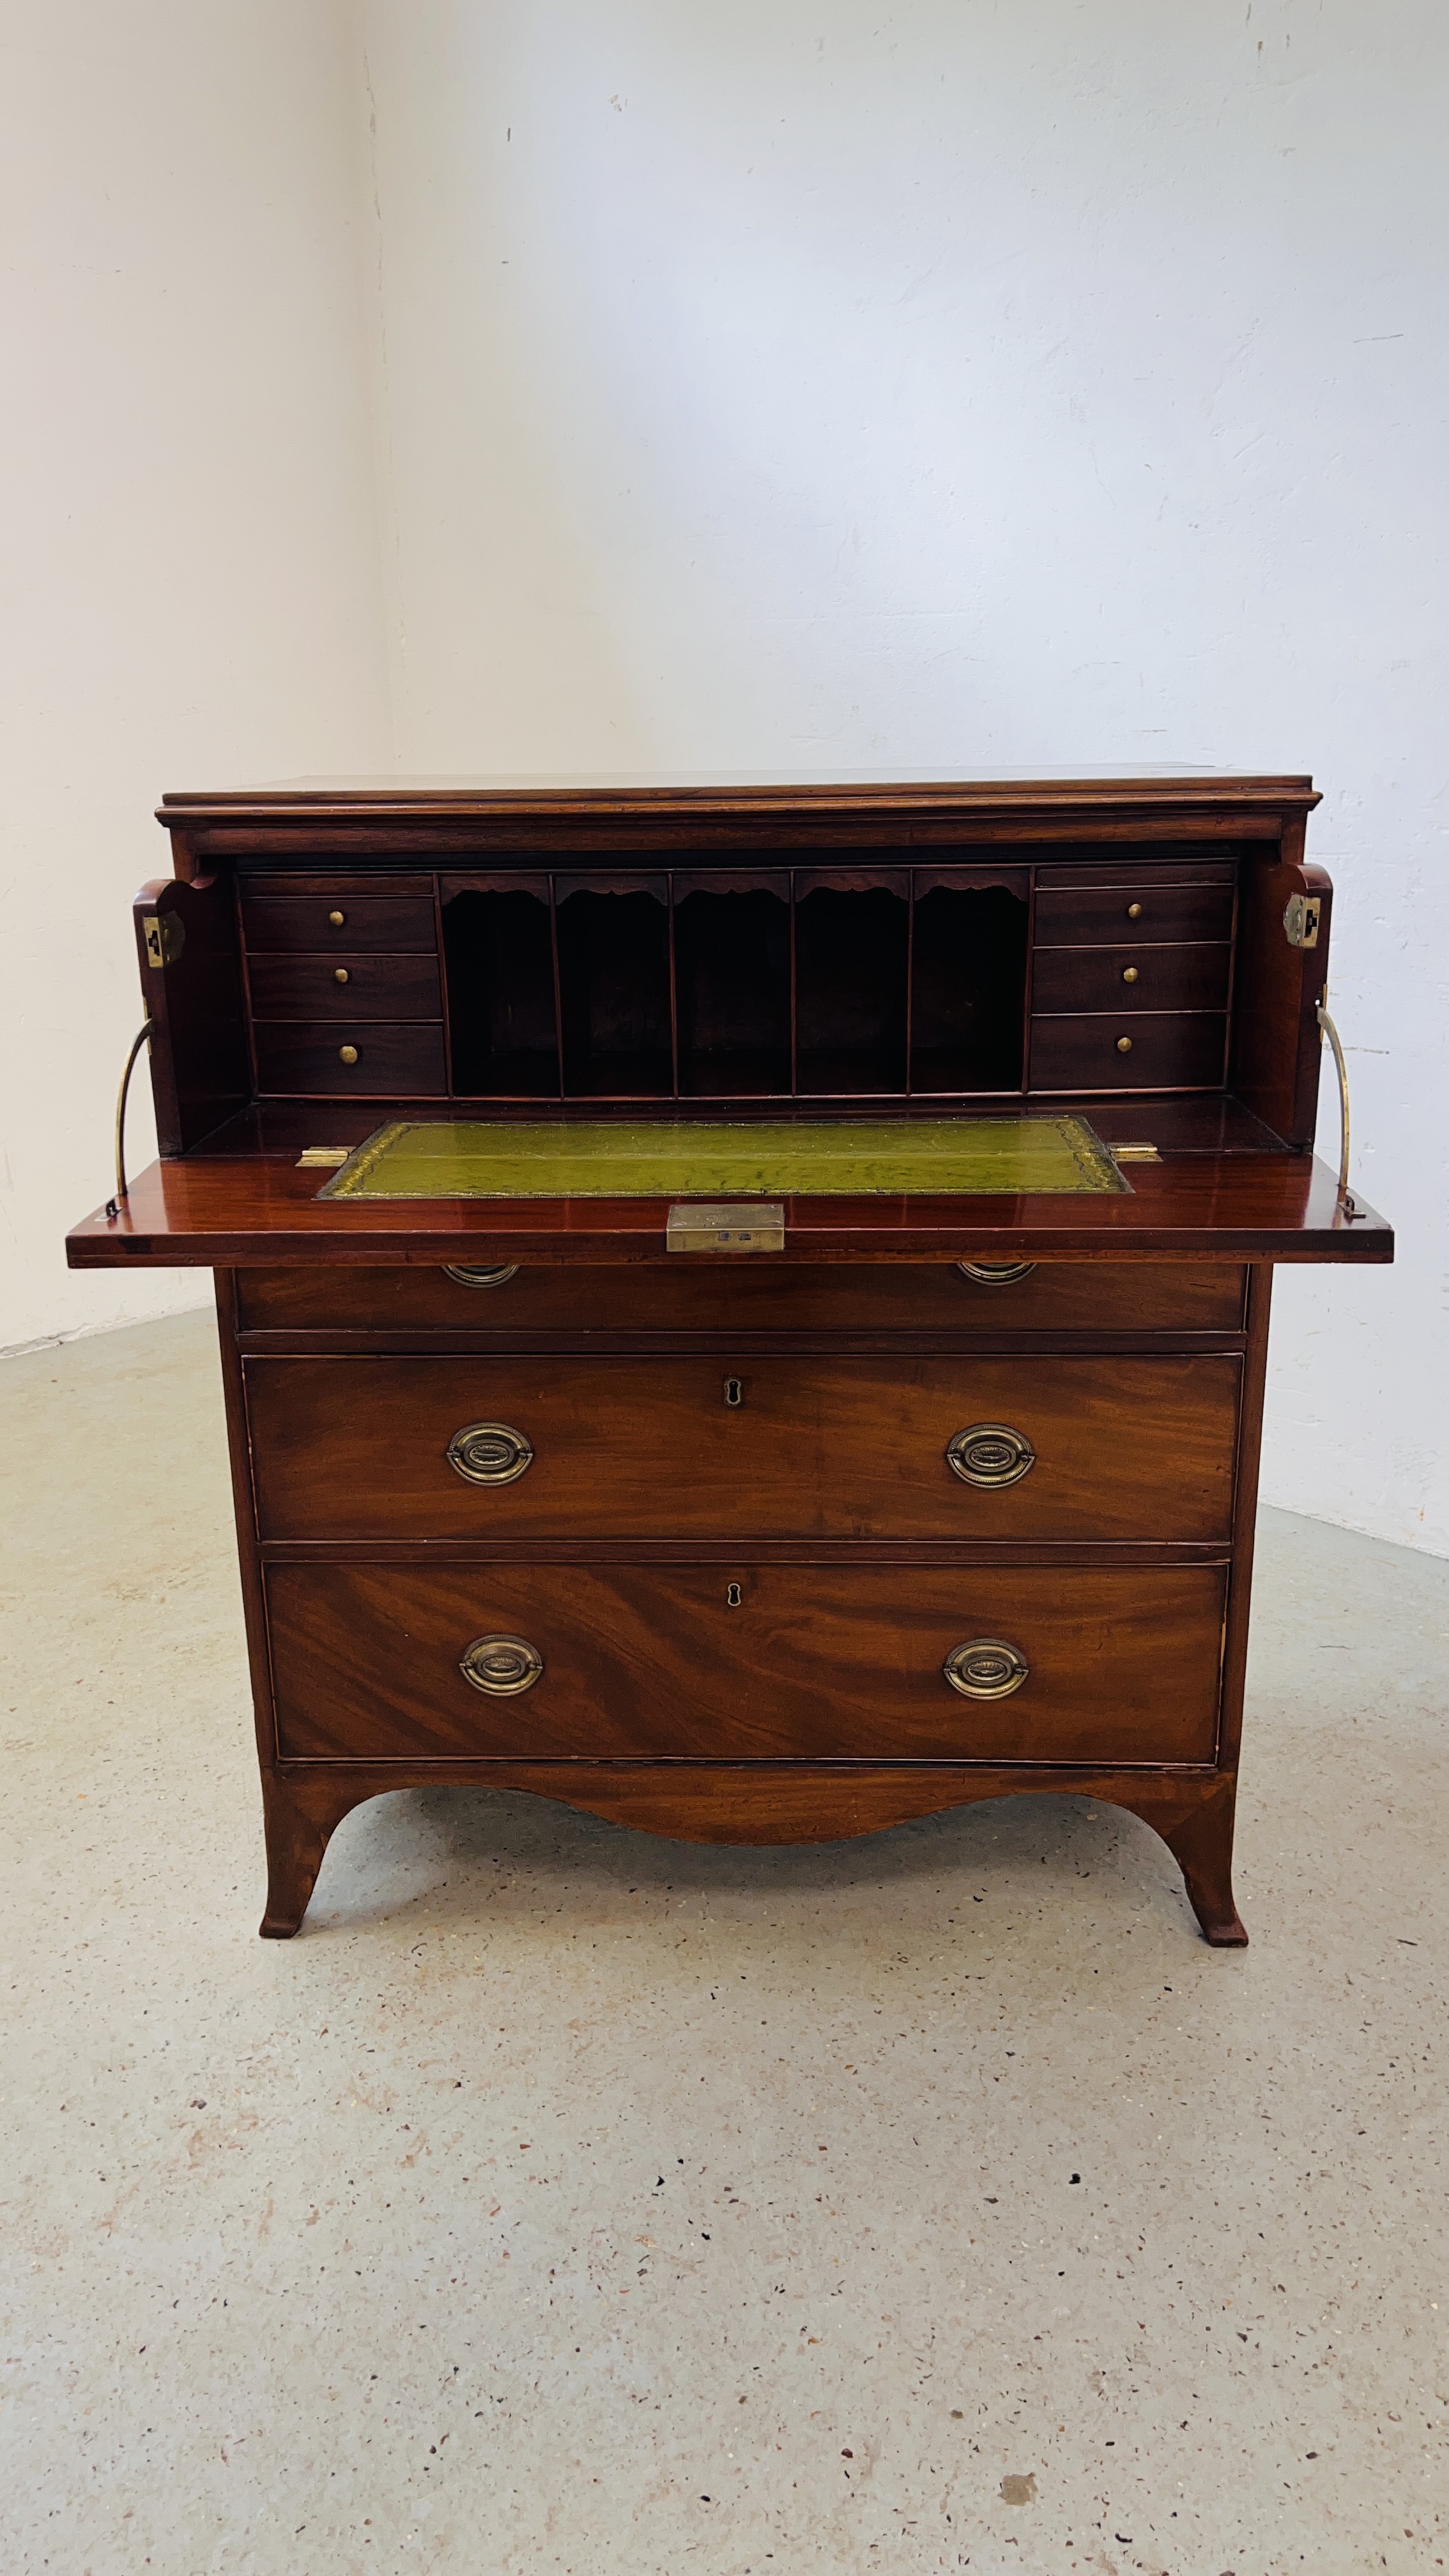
[702,1294]
[474,1447]
[812,1664]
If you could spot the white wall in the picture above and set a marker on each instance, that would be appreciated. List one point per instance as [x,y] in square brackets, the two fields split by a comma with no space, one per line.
[190,579]
[958,384]
[962,383]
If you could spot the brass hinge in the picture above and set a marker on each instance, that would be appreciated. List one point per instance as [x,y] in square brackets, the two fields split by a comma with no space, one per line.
[1300,921]
[165,936]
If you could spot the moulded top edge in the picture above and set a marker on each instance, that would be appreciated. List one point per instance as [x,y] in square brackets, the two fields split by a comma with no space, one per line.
[924,788]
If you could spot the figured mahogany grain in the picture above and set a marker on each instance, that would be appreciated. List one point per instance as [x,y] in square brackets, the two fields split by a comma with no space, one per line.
[1129,1448]
[819,1663]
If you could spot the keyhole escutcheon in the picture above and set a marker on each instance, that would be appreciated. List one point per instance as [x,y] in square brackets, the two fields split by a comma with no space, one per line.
[734,1390]
[733,1596]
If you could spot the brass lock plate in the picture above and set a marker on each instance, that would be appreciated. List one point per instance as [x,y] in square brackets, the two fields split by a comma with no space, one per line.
[754,1225]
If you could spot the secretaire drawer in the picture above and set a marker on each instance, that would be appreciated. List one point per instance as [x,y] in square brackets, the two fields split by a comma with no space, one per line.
[318,922]
[1138,1448]
[376,1059]
[710,1295]
[1191,977]
[345,988]
[768,1663]
[1094,916]
[1129,1051]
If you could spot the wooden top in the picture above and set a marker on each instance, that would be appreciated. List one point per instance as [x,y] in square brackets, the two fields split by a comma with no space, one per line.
[258,1209]
[364,815]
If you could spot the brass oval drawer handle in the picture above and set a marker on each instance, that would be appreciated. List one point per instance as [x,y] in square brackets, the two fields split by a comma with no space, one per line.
[990,1453]
[985,1668]
[995,1274]
[471,1274]
[501,1666]
[489,1453]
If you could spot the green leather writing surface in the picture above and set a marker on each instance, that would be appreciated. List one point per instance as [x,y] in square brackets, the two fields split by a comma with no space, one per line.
[564,1158]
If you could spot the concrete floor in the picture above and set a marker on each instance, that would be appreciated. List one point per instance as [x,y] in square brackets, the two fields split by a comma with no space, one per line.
[563,2200]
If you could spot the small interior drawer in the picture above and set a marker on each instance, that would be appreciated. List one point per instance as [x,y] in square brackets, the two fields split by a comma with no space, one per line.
[312,924]
[745,1663]
[391,1059]
[1129,1051]
[350,987]
[377,1448]
[1102,916]
[1192,976]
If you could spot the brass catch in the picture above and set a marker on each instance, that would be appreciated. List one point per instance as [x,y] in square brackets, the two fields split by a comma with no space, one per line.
[165,936]
[1300,920]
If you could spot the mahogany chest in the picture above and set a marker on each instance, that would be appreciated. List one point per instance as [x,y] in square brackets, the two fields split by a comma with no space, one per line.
[947,1495]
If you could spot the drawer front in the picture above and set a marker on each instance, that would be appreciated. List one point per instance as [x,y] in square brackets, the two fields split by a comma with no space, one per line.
[1118,1448]
[1106,1051]
[303,923]
[1099,916]
[345,988]
[811,1664]
[1190,978]
[712,1295]
[391,1058]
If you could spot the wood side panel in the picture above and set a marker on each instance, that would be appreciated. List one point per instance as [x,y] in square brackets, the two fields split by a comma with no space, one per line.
[1125,1448]
[1277,1048]
[244,1510]
[814,1665]
[1245,1516]
[673,1297]
[200,1073]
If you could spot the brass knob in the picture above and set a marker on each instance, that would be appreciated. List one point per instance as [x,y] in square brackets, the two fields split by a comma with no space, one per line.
[501,1666]
[471,1275]
[348,1054]
[489,1453]
[340,975]
[1129,974]
[337,919]
[995,1274]
[1124,1046]
[1134,912]
[990,1453]
[985,1668]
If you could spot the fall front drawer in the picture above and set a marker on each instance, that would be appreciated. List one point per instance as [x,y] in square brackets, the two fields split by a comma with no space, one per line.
[679,1296]
[1042,1448]
[760,1663]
